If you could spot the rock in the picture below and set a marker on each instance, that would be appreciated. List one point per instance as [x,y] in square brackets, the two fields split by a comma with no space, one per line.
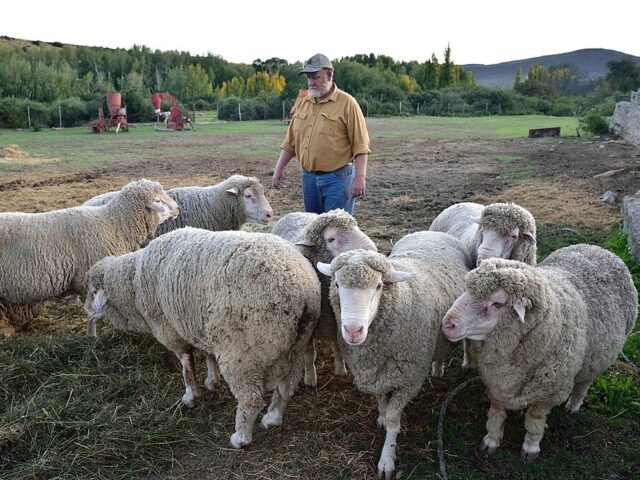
[631,223]
[609,197]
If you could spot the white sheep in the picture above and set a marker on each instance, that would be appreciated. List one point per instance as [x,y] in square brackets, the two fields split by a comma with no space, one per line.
[389,311]
[504,230]
[543,333]
[321,238]
[46,255]
[250,299]
[111,295]
[224,206]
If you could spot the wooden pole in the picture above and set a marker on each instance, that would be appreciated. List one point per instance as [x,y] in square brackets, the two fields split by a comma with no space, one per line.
[60,115]
[29,116]
[239,112]
[284,116]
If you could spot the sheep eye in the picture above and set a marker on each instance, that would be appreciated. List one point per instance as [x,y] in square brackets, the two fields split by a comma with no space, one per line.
[497,305]
[331,239]
[379,286]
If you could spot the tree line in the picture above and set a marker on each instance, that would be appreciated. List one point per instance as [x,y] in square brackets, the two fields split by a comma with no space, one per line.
[59,79]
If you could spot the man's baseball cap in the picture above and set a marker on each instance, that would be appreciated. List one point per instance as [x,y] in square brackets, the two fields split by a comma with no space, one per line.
[316,63]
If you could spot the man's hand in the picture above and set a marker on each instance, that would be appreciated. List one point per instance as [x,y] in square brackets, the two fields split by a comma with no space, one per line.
[357,186]
[278,179]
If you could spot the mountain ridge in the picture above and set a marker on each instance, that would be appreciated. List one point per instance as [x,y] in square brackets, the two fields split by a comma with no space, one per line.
[591,62]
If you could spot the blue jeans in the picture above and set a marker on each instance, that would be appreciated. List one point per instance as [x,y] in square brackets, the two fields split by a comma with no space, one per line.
[322,192]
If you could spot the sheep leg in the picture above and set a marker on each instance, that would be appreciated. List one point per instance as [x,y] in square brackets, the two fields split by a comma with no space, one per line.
[443,351]
[383,401]
[495,428]
[192,389]
[249,395]
[281,396]
[310,376]
[535,423]
[339,368]
[213,377]
[397,402]
[468,362]
[577,396]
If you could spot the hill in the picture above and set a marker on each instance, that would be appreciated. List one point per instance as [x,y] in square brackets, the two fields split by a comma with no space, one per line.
[591,62]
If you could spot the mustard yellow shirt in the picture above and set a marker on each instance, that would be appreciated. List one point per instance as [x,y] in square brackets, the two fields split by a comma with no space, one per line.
[327,135]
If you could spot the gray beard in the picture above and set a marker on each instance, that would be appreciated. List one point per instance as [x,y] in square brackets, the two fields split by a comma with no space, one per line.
[319,92]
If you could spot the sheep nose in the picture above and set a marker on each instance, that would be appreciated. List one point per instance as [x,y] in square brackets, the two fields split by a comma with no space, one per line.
[353,331]
[448,324]
[268,215]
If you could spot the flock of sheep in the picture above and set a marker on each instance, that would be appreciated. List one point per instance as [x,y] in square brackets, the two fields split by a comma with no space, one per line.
[175,265]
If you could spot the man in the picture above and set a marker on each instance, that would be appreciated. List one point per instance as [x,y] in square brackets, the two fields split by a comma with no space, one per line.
[328,135]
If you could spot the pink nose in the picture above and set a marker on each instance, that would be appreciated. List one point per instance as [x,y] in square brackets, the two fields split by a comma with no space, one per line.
[352,332]
[448,325]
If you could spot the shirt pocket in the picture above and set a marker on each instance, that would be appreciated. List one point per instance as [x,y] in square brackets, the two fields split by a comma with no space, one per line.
[331,127]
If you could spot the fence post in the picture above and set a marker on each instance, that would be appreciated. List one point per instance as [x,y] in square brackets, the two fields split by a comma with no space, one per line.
[400,106]
[29,116]
[283,114]
[418,109]
[239,113]
[60,115]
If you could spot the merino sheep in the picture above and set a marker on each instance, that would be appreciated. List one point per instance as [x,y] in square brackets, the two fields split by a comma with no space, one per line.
[321,238]
[251,300]
[112,279]
[46,255]
[389,310]
[544,333]
[504,230]
[224,206]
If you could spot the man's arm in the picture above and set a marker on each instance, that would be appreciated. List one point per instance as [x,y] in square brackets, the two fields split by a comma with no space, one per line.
[359,183]
[278,174]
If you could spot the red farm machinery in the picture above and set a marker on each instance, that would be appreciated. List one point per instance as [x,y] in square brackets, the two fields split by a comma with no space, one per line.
[173,119]
[117,116]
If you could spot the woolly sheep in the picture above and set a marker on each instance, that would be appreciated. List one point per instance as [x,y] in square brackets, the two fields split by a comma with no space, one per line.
[112,279]
[250,299]
[46,255]
[389,310]
[321,238]
[224,206]
[544,333]
[504,230]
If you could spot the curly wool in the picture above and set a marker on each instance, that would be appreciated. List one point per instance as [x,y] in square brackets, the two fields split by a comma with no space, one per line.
[581,304]
[337,218]
[357,268]
[504,217]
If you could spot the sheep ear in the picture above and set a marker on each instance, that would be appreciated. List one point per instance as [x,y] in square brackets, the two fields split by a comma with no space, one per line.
[324,268]
[395,276]
[475,220]
[235,191]
[305,243]
[528,237]
[520,310]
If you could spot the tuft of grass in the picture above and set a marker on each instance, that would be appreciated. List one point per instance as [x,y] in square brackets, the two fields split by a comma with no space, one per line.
[518,173]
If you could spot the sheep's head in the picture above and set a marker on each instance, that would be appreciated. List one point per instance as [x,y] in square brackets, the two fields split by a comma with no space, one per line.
[152,196]
[498,289]
[335,232]
[256,206]
[356,290]
[507,231]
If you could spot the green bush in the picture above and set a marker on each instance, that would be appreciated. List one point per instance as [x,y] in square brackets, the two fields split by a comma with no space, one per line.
[13,113]
[594,123]
[73,112]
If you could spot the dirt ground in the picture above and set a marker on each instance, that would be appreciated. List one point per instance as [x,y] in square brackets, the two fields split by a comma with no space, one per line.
[559,180]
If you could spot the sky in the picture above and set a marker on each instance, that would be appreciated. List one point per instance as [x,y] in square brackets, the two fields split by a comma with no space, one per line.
[241,31]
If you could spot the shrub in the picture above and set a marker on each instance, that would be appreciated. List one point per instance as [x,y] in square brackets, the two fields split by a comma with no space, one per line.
[13,113]
[594,123]
[72,112]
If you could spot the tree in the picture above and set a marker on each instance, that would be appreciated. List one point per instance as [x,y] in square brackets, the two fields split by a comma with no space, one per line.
[518,81]
[624,75]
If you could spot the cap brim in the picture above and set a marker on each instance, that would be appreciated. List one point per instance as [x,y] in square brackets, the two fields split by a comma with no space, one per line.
[310,70]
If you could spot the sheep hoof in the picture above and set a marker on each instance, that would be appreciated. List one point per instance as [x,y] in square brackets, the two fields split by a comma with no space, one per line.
[437,369]
[386,467]
[381,421]
[573,406]
[188,400]
[211,384]
[271,419]
[529,453]
[489,446]
[238,440]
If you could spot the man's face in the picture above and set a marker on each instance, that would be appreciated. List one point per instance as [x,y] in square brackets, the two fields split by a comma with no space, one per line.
[319,83]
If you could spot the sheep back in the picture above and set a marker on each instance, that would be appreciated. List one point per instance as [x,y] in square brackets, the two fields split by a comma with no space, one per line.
[248,298]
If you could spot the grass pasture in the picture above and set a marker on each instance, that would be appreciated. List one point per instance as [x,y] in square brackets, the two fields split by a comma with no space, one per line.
[72,407]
